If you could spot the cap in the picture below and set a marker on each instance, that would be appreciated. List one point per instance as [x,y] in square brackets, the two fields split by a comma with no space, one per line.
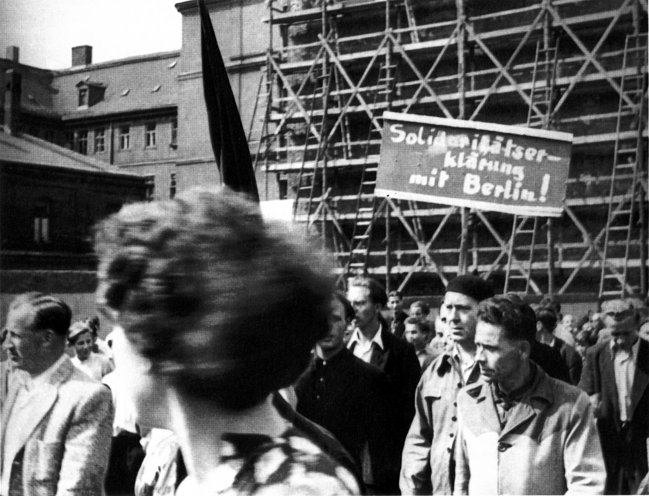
[78,328]
[470,285]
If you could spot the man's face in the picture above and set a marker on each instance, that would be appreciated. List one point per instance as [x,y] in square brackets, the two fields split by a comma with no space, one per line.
[337,326]
[83,345]
[568,322]
[413,335]
[620,319]
[366,311]
[417,312]
[499,358]
[24,345]
[394,303]
[459,311]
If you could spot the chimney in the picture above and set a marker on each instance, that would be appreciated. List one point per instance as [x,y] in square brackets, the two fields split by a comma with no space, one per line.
[81,55]
[12,102]
[12,53]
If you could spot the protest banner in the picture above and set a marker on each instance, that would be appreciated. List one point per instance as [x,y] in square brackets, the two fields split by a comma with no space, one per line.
[479,165]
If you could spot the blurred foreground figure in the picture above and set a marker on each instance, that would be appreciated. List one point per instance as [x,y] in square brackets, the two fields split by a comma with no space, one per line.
[56,423]
[215,311]
[519,430]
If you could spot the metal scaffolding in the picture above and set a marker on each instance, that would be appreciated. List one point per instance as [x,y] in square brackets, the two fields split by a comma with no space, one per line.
[578,66]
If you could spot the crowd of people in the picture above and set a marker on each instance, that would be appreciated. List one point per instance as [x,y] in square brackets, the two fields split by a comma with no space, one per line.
[233,366]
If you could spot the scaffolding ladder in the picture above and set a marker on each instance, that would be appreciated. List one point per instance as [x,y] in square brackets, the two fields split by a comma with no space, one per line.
[525,229]
[625,185]
[366,211]
[309,179]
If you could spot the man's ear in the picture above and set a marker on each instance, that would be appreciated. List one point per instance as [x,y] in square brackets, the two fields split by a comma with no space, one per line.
[49,337]
[525,348]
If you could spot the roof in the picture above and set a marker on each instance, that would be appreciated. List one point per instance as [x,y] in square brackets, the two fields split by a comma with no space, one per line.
[30,151]
[134,84]
[141,83]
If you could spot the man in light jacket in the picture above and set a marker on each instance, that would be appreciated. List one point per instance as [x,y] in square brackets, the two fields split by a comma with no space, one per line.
[56,422]
[519,430]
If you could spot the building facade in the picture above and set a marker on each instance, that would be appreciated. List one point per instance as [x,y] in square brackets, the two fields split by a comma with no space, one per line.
[312,79]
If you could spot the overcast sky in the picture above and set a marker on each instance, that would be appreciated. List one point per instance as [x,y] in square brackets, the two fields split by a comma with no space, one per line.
[46,30]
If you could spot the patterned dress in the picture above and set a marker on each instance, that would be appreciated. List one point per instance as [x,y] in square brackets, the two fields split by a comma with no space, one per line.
[253,464]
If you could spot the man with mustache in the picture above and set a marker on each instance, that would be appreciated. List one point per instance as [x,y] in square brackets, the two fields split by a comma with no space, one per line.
[519,430]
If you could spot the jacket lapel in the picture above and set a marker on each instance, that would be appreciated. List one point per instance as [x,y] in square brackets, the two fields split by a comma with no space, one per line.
[521,413]
[41,403]
[486,407]
[641,377]
[539,397]
[379,357]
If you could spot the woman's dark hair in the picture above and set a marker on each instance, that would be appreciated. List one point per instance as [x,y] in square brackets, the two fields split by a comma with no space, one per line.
[225,305]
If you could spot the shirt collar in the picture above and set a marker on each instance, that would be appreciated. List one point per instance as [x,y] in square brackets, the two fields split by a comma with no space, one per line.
[46,375]
[457,356]
[356,337]
[634,348]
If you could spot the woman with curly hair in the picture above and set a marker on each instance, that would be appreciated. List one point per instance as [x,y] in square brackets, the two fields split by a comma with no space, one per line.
[215,310]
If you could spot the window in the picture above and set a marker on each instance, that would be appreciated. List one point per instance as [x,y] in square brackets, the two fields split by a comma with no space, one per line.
[100,140]
[83,97]
[81,142]
[174,133]
[149,134]
[42,221]
[282,183]
[149,181]
[124,137]
[172,185]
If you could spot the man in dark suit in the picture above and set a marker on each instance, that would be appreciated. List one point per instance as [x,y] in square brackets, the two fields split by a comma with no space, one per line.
[546,321]
[373,343]
[347,396]
[616,375]
[397,316]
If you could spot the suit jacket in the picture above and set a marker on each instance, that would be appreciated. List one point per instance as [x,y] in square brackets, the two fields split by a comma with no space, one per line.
[347,397]
[550,361]
[67,435]
[571,358]
[628,447]
[399,362]
[549,444]
[397,324]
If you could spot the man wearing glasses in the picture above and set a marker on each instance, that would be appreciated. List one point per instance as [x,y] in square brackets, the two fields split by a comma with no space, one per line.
[616,375]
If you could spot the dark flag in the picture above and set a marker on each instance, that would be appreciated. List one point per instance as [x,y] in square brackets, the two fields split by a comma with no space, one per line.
[226,131]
